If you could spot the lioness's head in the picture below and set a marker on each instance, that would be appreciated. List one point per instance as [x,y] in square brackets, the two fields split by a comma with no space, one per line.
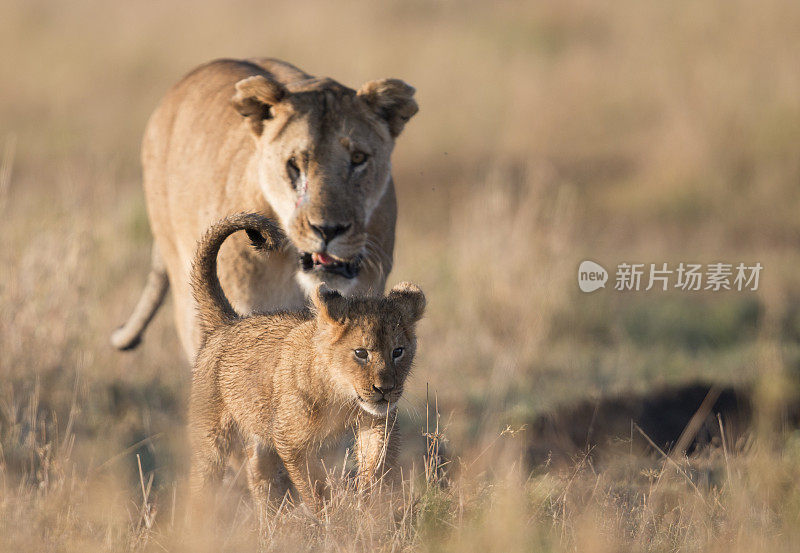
[323,154]
[368,343]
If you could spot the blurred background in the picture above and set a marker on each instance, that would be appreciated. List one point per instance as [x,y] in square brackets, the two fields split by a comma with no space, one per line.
[548,133]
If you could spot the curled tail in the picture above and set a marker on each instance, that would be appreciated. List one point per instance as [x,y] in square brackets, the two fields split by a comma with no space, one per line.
[213,307]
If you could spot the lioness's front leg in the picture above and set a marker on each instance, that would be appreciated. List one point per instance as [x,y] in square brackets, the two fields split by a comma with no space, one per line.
[376,449]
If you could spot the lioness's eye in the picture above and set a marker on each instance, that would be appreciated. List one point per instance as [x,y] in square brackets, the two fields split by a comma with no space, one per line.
[357,158]
[292,168]
[397,353]
[361,353]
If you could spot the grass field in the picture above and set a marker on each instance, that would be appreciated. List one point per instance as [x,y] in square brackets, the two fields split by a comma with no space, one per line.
[548,133]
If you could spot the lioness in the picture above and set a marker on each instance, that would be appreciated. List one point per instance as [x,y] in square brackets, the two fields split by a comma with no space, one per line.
[263,136]
[288,381]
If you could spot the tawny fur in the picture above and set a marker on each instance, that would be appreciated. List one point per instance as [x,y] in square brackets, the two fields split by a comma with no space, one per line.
[219,143]
[289,381]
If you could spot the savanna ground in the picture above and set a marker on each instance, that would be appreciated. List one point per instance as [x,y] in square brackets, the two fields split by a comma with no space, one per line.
[633,131]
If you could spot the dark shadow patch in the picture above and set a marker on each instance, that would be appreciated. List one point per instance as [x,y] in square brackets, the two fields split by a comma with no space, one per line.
[617,425]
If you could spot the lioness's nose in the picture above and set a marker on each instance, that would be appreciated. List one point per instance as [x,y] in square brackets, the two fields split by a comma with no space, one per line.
[383,388]
[329,232]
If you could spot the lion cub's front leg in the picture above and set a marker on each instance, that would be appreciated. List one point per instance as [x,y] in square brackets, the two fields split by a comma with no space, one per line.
[376,449]
[307,475]
[263,472]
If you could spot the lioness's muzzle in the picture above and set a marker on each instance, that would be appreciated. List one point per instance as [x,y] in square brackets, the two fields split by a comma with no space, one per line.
[346,269]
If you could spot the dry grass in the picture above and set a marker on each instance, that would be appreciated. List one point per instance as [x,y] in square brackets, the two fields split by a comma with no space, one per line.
[548,133]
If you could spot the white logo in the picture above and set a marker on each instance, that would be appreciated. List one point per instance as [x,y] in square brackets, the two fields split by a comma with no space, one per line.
[591,276]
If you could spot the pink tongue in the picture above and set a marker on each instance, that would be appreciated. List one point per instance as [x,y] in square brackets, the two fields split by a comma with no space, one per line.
[325,259]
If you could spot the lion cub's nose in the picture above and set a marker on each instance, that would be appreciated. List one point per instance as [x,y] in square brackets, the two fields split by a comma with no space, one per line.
[383,389]
[329,232]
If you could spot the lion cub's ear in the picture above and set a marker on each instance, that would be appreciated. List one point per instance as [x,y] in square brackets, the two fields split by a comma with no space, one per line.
[255,96]
[392,100]
[409,299]
[330,304]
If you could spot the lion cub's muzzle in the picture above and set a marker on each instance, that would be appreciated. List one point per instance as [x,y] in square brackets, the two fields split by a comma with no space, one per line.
[380,400]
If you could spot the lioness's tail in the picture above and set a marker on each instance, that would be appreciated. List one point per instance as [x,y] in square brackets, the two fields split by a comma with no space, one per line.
[213,307]
[129,335]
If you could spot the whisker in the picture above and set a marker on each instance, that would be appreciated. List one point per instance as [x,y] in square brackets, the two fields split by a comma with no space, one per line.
[411,407]
[378,250]
[376,259]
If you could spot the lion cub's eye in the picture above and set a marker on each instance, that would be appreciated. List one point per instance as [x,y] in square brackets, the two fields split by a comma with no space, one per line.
[358,158]
[361,354]
[292,168]
[397,353]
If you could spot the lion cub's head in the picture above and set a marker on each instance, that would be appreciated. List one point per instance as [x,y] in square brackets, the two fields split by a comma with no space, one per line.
[323,157]
[368,343]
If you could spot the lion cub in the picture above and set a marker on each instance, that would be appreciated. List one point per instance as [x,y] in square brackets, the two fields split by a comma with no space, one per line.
[287,381]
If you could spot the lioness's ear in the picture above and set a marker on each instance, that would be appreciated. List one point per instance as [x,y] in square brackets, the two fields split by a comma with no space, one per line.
[255,96]
[392,100]
[329,303]
[409,299]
